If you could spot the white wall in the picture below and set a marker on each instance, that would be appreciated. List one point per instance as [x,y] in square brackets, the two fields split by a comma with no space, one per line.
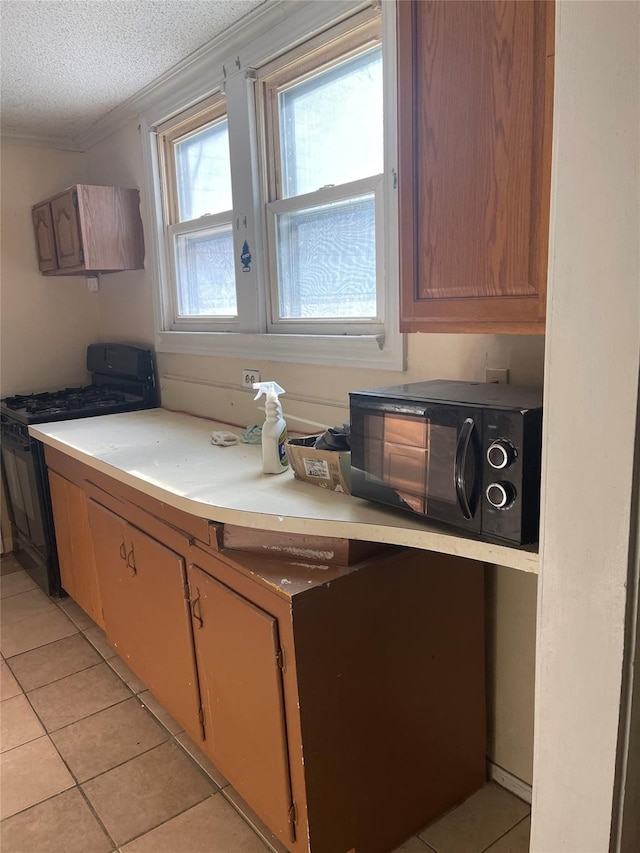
[593,356]
[511,658]
[46,322]
[125,299]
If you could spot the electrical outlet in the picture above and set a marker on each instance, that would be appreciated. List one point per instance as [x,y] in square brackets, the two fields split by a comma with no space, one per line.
[497,375]
[249,376]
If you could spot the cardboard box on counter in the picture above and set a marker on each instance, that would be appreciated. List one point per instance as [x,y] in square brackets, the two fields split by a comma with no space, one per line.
[330,469]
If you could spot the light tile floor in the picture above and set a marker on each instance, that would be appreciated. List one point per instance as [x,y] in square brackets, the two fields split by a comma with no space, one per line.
[91,763]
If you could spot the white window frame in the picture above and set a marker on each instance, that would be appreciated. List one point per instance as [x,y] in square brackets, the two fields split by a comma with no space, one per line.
[383,349]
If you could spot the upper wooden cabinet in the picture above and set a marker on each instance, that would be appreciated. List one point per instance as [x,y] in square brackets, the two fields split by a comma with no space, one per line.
[89,229]
[475,96]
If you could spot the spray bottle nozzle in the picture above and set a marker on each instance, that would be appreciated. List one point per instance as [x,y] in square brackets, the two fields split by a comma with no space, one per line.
[271,389]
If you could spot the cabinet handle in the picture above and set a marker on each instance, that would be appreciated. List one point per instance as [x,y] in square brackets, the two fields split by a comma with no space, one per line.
[131,561]
[197,616]
[123,552]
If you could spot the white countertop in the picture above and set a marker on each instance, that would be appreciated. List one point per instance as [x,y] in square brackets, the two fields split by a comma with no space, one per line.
[170,457]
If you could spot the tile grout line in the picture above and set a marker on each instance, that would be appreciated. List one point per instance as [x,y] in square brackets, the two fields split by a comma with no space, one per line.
[97,816]
[7,658]
[55,680]
[22,591]
[511,828]
[184,811]
[49,607]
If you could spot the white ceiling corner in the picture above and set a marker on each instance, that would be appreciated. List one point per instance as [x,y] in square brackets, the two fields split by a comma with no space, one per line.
[66,64]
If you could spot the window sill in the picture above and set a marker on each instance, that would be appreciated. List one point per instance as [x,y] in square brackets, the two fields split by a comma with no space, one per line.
[340,350]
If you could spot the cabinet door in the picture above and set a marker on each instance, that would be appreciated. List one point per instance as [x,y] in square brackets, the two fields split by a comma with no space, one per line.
[475,89]
[66,226]
[45,238]
[239,659]
[75,548]
[146,612]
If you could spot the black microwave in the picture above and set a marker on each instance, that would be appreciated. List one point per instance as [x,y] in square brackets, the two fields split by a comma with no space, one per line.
[466,454]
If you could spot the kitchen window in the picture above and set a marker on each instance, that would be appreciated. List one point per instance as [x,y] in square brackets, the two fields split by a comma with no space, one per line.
[325,160]
[199,214]
[278,205]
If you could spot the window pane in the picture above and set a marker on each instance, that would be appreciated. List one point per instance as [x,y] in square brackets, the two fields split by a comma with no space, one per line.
[205,274]
[203,172]
[327,261]
[331,126]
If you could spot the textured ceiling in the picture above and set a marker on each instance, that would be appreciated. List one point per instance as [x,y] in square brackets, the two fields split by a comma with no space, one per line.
[67,63]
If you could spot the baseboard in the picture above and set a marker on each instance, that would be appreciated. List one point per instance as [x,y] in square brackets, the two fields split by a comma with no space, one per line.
[8,546]
[509,781]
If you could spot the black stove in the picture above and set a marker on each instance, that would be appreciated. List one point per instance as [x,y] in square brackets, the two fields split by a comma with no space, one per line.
[122,381]
[68,403]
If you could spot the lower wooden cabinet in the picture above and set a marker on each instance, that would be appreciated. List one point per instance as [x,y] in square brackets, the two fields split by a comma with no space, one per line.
[345,702]
[240,669]
[75,546]
[146,612]
[382,672]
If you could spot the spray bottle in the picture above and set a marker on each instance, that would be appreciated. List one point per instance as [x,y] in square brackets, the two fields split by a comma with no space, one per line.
[274,430]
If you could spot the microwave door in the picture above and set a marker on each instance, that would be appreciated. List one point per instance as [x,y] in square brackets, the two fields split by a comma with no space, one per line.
[427,462]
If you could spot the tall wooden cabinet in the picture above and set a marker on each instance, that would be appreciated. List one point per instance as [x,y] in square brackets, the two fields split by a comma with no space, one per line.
[89,229]
[475,97]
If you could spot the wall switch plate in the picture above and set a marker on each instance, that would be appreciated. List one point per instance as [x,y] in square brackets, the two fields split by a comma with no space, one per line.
[249,376]
[93,283]
[497,375]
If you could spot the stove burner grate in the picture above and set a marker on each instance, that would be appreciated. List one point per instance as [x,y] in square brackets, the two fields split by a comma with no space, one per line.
[67,400]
